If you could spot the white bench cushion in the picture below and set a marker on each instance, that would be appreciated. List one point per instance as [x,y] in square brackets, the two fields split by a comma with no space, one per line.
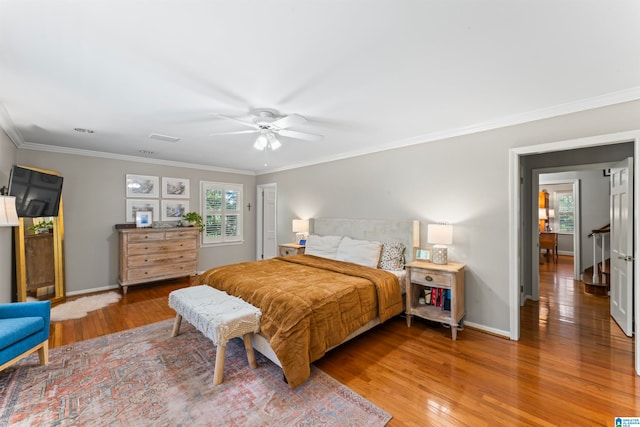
[218,315]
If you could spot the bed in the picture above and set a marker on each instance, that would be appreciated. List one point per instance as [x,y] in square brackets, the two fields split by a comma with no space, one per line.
[314,302]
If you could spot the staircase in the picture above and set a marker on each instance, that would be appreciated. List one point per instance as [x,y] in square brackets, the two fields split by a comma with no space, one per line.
[601,286]
[598,283]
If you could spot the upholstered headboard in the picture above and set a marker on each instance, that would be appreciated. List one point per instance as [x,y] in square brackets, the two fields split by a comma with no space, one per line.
[381,230]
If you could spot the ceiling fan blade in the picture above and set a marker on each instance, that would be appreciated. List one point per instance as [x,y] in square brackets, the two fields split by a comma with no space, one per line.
[237,132]
[300,135]
[288,121]
[250,124]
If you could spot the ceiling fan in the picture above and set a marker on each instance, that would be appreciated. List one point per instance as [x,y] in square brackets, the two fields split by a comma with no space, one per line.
[267,123]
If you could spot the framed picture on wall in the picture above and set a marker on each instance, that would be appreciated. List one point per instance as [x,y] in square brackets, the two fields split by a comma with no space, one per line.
[143,186]
[175,188]
[135,205]
[172,210]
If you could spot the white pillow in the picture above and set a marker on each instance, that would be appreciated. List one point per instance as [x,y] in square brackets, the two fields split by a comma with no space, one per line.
[324,246]
[363,252]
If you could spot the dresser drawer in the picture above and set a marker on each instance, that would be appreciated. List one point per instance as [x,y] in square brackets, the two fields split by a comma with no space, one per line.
[136,261]
[181,234]
[145,236]
[430,278]
[162,271]
[164,246]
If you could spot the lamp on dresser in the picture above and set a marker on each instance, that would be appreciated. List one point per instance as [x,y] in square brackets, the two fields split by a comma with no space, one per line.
[439,235]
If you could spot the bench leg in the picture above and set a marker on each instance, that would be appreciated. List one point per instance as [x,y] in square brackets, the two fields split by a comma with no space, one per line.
[251,356]
[219,369]
[176,326]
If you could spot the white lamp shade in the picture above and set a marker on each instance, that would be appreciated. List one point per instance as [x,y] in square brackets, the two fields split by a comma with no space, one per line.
[440,234]
[8,213]
[552,213]
[542,213]
[300,226]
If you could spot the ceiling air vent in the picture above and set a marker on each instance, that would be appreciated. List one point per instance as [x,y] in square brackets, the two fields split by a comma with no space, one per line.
[166,138]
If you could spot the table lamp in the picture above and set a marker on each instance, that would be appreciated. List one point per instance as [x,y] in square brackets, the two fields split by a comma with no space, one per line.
[8,213]
[301,228]
[439,235]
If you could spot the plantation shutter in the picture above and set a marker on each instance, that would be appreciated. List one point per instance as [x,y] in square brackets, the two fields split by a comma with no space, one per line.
[221,212]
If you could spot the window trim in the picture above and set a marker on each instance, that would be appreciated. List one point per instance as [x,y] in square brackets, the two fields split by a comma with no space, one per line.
[224,187]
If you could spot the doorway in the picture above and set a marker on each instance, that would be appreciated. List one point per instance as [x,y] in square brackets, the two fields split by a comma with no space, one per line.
[266,227]
[522,162]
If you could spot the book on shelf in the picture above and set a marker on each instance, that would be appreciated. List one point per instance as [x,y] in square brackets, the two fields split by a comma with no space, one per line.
[446,300]
[427,295]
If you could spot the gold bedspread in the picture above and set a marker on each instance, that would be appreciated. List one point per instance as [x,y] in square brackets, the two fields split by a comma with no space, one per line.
[309,304]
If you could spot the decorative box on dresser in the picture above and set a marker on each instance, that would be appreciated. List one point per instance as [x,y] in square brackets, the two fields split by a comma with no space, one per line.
[424,275]
[149,254]
[287,249]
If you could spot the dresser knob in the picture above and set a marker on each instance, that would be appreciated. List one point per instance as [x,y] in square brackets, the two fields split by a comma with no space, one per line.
[428,278]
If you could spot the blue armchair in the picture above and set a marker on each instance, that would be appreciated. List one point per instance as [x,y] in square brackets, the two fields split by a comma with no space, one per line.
[24,328]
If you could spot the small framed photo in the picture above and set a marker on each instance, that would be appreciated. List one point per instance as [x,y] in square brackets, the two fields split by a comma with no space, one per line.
[144,219]
[143,186]
[135,205]
[175,188]
[172,210]
[422,254]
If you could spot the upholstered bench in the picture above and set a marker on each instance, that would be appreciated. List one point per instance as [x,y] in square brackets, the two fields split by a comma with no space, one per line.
[219,316]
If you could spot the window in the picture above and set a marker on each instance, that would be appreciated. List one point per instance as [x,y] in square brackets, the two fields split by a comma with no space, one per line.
[221,212]
[565,211]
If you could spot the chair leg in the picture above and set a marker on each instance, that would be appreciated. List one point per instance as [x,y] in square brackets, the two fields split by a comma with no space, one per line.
[43,353]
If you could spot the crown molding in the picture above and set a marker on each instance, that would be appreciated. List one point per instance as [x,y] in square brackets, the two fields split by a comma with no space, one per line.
[613,98]
[7,125]
[113,156]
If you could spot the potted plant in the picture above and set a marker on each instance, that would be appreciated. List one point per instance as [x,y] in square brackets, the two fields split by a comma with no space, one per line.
[192,219]
[41,227]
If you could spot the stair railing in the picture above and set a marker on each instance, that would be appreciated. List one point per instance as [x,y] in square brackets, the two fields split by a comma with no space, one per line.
[598,234]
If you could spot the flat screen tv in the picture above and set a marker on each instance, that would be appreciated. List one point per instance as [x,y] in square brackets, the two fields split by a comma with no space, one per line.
[37,193]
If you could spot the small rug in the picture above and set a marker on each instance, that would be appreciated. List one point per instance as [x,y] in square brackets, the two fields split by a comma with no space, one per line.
[80,307]
[143,377]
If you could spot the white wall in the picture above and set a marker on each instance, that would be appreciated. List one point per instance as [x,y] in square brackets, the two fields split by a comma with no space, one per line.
[8,154]
[463,180]
[94,201]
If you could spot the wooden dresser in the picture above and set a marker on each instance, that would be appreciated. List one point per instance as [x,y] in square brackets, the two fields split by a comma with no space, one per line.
[148,255]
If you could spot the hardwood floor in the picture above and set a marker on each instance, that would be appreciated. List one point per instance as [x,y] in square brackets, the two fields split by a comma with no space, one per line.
[571,367]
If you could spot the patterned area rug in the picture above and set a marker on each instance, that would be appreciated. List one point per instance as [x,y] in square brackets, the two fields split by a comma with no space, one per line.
[142,377]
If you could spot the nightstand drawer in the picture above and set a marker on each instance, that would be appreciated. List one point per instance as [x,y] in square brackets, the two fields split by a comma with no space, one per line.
[289,249]
[430,278]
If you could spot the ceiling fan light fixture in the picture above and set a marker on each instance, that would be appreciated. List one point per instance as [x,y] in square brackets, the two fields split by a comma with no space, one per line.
[274,144]
[261,143]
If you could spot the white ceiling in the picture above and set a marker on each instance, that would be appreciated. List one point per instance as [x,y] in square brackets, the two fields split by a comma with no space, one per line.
[367,74]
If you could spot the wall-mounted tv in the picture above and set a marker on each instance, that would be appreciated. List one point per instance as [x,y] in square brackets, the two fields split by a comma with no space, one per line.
[37,193]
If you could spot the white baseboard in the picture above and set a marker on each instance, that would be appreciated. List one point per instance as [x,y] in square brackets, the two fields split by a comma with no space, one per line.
[487,329]
[92,290]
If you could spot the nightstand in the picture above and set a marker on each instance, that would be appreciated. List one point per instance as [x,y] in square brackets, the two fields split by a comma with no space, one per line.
[287,249]
[448,282]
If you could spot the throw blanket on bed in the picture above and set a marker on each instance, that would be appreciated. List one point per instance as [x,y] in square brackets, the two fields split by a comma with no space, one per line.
[309,304]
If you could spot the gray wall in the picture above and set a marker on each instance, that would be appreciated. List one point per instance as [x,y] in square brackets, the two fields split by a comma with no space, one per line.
[463,180]
[94,201]
[8,153]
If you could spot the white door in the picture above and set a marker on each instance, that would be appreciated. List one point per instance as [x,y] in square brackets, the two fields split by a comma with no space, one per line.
[621,296]
[266,227]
